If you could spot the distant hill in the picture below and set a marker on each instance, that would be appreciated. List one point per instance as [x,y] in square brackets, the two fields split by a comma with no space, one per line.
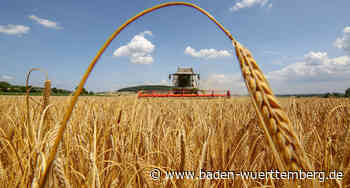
[145,87]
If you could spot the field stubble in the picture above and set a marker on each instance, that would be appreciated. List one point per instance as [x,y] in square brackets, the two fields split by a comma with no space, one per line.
[116,141]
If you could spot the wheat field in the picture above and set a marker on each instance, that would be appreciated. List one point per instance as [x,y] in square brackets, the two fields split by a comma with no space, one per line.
[117,141]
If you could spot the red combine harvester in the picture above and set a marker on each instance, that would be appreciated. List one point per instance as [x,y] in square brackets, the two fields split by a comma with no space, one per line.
[185,84]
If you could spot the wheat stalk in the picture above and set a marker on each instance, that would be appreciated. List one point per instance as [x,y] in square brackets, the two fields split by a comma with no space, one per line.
[30,129]
[46,94]
[59,172]
[203,158]
[183,151]
[3,175]
[93,158]
[12,147]
[284,143]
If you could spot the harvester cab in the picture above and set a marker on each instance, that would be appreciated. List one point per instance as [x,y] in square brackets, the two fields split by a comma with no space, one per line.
[185,80]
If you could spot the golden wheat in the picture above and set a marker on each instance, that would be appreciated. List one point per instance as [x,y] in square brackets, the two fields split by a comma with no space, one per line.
[143,139]
[235,141]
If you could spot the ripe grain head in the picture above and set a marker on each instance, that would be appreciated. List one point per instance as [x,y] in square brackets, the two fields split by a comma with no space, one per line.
[284,143]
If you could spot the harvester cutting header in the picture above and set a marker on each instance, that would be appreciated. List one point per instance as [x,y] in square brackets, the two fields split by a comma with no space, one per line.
[185,83]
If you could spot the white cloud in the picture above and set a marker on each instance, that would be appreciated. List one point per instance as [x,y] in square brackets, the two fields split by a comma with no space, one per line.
[316,73]
[232,82]
[6,77]
[206,53]
[139,49]
[249,3]
[344,41]
[45,22]
[14,29]
[146,33]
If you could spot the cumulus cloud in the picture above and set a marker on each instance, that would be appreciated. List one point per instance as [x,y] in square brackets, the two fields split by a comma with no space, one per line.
[206,53]
[14,29]
[5,77]
[139,49]
[249,3]
[233,82]
[344,41]
[315,66]
[317,72]
[45,22]
[146,33]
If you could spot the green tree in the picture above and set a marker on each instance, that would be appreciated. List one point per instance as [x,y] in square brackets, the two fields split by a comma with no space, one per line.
[3,89]
[54,90]
[34,90]
[22,89]
[5,85]
[84,91]
[327,95]
[347,92]
[337,94]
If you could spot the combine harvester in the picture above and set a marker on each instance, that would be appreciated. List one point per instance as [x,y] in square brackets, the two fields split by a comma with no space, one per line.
[185,84]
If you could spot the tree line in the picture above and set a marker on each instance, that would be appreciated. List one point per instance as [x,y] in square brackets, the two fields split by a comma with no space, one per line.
[6,87]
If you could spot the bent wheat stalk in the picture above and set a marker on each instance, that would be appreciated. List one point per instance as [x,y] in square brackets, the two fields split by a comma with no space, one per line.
[74,99]
[274,121]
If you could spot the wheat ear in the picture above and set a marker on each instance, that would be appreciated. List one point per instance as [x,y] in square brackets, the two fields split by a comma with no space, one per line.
[282,139]
[46,94]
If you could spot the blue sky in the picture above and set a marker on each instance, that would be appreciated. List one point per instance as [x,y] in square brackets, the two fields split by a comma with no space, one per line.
[302,46]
